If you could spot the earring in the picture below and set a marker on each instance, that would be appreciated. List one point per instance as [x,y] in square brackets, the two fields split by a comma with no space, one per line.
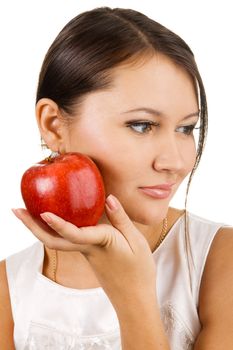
[43,145]
[54,154]
[51,156]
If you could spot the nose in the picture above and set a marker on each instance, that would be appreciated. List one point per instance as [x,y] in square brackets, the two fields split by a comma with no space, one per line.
[169,156]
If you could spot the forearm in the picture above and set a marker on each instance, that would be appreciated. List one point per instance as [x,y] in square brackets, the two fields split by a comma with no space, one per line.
[140,324]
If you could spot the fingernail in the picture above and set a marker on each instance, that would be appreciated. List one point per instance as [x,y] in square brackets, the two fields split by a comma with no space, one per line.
[111,203]
[17,213]
[47,218]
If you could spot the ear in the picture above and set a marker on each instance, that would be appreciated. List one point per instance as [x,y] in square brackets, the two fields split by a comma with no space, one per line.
[50,123]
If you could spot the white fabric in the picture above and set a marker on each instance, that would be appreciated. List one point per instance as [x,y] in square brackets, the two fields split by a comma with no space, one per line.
[50,316]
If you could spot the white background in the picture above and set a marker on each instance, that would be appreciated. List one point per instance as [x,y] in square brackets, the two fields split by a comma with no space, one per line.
[29,27]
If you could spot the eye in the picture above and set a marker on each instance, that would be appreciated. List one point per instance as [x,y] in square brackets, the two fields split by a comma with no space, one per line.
[141,127]
[187,129]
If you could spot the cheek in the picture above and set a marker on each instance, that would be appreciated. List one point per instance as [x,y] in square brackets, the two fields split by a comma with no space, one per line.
[108,154]
[117,173]
[190,154]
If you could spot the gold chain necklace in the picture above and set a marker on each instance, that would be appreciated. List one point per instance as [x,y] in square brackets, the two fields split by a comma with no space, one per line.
[162,234]
[54,265]
[55,257]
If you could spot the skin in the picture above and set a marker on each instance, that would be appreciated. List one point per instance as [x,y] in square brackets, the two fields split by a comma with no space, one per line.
[102,120]
[127,232]
[166,153]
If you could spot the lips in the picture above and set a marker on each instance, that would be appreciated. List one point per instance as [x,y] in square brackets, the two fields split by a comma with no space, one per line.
[161,191]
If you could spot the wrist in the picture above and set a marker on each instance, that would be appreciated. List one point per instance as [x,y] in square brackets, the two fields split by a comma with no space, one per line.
[140,323]
[137,301]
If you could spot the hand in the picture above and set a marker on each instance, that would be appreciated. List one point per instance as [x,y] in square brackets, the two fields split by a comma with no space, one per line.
[118,253]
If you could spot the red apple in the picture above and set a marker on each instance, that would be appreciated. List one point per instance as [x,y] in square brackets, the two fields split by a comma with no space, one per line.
[68,185]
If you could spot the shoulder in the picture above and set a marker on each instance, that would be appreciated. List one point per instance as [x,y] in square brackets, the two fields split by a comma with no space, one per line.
[3,277]
[4,290]
[216,290]
[6,319]
[219,266]
[220,259]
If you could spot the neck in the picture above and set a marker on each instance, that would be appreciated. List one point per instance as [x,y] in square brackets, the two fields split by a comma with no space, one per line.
[74,271]
[151,232]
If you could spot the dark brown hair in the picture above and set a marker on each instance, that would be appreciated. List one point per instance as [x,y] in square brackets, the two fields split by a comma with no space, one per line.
[91,44]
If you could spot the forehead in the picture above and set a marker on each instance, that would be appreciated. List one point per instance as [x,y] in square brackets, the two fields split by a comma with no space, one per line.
[155,82]
[156,78]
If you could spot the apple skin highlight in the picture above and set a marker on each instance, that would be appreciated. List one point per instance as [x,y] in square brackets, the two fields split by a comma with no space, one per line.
[68,185]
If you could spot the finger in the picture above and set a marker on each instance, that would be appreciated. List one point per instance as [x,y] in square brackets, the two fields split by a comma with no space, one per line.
[91,235]
[29,221]
[44,233]
[119,219]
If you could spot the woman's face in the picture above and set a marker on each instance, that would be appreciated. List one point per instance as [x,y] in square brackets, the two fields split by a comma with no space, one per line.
[139,133]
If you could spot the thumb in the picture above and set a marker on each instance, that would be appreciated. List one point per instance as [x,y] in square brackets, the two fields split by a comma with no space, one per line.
[118,217]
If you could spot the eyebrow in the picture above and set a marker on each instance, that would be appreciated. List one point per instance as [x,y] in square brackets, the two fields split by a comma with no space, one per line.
[158,113]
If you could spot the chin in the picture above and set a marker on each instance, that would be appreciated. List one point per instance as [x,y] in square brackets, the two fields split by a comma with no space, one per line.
[148,221]
[149,216]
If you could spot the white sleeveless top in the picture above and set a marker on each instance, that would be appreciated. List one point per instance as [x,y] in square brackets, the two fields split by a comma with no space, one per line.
[50,316]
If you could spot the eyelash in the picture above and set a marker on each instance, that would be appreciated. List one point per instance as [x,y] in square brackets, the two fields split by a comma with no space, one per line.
[188,128]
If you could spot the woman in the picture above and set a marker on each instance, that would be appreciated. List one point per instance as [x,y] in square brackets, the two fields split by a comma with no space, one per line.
[124,90]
